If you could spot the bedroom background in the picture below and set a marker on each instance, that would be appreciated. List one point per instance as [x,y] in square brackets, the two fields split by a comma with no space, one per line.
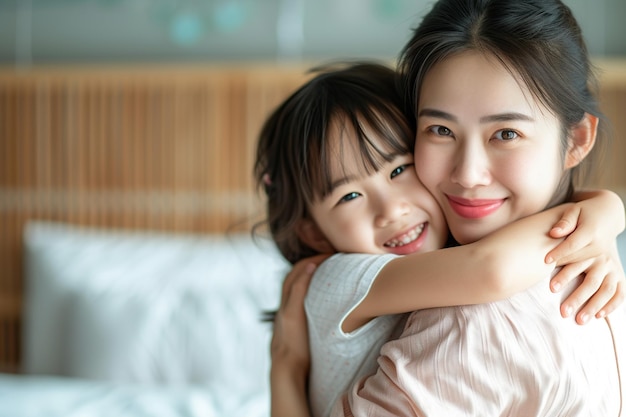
[139,118]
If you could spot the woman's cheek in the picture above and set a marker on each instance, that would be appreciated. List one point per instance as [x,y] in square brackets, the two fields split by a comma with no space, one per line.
[430,164]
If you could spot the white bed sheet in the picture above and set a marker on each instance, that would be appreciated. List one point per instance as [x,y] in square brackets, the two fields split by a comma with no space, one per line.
[47,396]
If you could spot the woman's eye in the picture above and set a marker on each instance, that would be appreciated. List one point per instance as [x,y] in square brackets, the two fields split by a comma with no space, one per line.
[349,197]
[506,134]
[441,130]
[399,170]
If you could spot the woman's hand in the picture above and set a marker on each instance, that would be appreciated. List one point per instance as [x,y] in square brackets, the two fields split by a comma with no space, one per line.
[290,344]
[290,340]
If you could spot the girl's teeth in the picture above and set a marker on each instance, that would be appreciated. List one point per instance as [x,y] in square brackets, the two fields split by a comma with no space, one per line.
[406,239]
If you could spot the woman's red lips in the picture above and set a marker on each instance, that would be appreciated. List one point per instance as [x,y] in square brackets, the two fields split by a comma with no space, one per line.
[474,208]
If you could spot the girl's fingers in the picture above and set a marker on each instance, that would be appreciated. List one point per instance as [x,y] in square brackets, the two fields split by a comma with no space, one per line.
[593,280]
[617,299]
[600,301]
[567,223]
[573,248]
[567,274]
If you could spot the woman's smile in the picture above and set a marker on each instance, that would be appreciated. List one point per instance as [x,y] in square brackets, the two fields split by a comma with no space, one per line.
[474,208]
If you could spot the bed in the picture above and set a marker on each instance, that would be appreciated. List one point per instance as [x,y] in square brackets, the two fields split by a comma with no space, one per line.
[129,283]
[145,324]
[124,323]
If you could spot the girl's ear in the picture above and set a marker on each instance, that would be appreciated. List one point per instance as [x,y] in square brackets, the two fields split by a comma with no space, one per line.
[581,140]
[309,233]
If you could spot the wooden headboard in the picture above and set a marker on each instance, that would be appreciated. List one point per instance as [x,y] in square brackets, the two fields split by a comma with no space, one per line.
[165,148]
[160,148]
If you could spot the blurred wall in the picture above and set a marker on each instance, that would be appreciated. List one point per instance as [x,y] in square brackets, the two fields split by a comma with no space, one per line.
[59,31]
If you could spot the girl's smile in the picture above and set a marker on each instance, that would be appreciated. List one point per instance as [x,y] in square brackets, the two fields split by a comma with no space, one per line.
[408,242]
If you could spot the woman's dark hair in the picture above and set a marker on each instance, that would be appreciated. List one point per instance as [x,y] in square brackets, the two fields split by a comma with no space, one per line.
[296,147]
[537,40]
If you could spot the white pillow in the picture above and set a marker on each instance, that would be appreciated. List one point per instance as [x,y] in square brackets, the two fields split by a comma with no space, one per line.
[148,307]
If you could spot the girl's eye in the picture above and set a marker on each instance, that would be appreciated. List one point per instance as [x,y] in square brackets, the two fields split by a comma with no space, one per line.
[506,134]
[399,170]
[441,130]
[348,197]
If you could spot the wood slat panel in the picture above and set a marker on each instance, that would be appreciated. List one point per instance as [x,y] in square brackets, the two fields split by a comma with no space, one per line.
[138,148]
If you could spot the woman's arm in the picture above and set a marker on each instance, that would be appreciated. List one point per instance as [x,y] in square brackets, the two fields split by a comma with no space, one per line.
[290,345]
[495,267]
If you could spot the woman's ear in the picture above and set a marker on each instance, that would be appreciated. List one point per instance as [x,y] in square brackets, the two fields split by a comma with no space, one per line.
[311,235]
[581,140]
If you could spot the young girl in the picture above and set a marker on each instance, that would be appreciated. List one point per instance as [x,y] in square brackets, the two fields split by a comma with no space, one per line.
[336,162]
[505,117]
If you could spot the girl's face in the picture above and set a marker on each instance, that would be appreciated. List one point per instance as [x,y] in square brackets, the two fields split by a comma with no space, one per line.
[388,211]
[485,148]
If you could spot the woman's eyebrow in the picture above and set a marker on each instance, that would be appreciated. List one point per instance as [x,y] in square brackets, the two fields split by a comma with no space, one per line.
[506,117]
[500,117]
[436,113]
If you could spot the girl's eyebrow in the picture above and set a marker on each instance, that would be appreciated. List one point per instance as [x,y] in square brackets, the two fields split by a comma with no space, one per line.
[351,177]
[339,182]
[500,117]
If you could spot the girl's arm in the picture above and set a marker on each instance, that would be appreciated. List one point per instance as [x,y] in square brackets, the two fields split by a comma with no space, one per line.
[493,268]
[290,345]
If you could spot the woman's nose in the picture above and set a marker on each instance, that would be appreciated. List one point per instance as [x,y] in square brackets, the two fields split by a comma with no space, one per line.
[471,167]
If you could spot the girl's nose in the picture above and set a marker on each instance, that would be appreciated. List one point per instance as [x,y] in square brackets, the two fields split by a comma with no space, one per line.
[471,168]
[391,208]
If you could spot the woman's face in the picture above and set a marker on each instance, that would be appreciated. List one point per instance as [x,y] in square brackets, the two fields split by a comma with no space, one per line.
[487,151]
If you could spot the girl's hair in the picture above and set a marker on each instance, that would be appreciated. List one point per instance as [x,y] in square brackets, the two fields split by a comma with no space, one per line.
[538,40]
[296,145]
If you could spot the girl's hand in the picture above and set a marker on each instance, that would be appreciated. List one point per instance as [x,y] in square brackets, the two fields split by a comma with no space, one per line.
[602,290]
[590,248]
[589,226]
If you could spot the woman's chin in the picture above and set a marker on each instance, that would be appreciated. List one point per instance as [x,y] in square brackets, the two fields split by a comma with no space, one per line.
[465,236]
